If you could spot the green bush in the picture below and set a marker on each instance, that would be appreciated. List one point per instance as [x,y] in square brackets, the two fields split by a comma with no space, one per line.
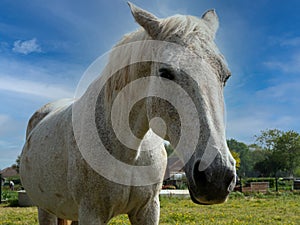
[11,197]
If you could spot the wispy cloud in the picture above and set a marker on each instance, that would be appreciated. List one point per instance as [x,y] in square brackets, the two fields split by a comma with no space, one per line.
[291,65]
[48,79]
[43,90]
[26,47]
[247,125]
[288,92]
[168,8]
[292,42]
[274,106]
[9,126]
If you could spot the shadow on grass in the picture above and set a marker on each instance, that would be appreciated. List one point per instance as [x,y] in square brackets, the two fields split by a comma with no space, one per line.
[13,203]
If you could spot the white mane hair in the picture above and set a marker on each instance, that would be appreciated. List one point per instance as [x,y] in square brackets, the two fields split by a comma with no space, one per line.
[187,31]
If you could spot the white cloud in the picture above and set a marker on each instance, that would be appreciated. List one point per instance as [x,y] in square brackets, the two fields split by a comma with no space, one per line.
[26,47]
[282,92]
[168,8]
[49,80]
[291,65]
[43,90]
[275,106]
[9,129]
[292,42]
[245,125]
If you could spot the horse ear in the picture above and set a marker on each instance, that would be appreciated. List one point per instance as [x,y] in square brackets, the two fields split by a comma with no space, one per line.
[212,20]
[147,20]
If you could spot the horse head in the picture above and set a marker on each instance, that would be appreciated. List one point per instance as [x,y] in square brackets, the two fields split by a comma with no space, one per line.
[189,66]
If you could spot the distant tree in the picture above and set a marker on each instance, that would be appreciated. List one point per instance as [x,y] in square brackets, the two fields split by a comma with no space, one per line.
[244,154]
[287,151]
[282,152]
[16,166]
[257,154]
[268,167]
[268,138]
[236,156]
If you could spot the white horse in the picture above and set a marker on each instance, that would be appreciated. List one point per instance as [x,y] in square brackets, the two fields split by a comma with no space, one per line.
[69,174]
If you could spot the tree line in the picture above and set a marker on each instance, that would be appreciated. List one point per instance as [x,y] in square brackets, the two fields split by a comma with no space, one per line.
[275,153]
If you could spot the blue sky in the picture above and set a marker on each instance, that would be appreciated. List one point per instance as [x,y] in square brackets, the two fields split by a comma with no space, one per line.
[45,47]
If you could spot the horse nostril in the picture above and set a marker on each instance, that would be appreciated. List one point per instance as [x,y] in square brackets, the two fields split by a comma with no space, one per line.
[202,177]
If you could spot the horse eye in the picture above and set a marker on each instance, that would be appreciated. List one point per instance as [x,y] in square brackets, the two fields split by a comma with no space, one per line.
[166,73]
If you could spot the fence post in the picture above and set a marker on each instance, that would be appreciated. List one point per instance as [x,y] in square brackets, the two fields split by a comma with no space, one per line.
[276,183]
[241,185]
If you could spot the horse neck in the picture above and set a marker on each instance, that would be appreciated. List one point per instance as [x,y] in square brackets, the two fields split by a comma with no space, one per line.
[109,130]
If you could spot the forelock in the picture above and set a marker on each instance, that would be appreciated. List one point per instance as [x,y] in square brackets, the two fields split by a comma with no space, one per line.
[195,34]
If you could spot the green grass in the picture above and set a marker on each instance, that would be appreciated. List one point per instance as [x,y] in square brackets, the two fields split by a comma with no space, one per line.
[279,208]
[17,215]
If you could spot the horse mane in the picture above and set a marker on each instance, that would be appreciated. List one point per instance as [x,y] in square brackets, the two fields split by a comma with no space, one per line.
[188,31]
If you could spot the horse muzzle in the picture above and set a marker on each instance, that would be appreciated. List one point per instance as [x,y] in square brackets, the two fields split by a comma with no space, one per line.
[212,185]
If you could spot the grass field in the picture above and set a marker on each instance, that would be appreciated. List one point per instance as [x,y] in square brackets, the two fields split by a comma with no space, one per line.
[281,208]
